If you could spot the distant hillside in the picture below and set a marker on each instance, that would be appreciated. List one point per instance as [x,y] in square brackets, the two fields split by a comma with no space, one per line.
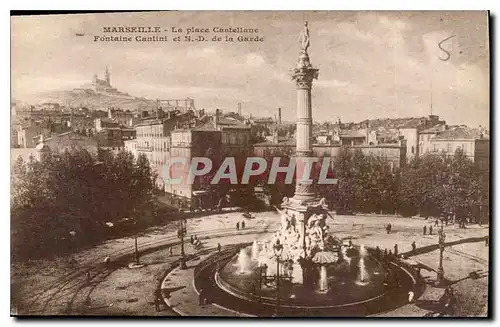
[93,100]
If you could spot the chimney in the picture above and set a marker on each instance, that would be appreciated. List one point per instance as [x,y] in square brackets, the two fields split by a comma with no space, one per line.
[279,116]
[239,108]
[216,118]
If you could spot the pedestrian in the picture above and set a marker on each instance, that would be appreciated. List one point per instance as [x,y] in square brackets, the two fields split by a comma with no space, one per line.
[413,248]
[430,230]
[219,248]
[201,299]
[87,301]
[451,303]
[242,224]
[425,230]
[238,225]
[192,239]
[446,301]
[158,299]
[387,228]
[170,251]
[436,223]
[396,250]
[390,228]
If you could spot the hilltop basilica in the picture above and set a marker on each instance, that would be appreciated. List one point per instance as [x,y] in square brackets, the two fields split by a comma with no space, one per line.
[102,85]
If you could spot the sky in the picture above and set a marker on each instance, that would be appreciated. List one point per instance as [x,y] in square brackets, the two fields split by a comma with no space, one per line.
[371,64]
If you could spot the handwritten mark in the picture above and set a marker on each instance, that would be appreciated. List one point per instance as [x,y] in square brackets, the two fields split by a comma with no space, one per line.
[447,52]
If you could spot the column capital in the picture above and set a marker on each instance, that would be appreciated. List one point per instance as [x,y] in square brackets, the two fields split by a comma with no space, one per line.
[304,76]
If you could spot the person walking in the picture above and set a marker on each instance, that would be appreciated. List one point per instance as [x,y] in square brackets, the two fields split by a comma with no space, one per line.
[242,224]
[238,225]
[425,230]
[396,250]
[201,298]
[430,230]
[158,299]
[452,302]
[219,247]
[413,248]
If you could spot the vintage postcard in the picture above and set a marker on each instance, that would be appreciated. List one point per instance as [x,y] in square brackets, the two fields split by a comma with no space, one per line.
[250,164]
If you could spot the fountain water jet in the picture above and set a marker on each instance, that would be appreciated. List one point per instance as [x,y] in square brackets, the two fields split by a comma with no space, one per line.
[255,251]
[361,265]
[323,280]
[243,262]
[344,255]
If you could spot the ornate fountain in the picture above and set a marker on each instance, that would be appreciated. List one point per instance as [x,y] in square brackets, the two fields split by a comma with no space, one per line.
[313,271]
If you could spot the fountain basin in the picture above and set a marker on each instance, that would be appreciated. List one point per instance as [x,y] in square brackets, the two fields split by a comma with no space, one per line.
[345,296]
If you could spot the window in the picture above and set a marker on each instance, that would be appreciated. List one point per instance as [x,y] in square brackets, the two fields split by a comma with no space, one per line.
[448,148]
[412,149]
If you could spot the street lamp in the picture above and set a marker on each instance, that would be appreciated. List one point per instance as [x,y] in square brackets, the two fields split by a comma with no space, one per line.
[440,273]
[262,274]
[136,253]
[181,232]
[278,250]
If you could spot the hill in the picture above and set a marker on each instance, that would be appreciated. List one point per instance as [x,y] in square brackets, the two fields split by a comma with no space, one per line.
[94,100]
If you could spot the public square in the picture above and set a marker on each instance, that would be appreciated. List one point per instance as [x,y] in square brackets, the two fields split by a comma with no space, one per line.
[57,287]
[393,221]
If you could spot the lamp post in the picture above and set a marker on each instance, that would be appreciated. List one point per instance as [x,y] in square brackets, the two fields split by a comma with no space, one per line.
[136,247]
[181,232]
[278,249]
[440,273]
[262,274]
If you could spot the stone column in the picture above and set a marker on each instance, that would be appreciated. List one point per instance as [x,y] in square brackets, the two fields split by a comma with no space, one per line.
[303,75]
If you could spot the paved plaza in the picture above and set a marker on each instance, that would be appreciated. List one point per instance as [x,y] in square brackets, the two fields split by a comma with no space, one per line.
[93,288]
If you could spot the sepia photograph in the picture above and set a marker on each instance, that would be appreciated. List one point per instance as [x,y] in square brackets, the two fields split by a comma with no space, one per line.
[250,164]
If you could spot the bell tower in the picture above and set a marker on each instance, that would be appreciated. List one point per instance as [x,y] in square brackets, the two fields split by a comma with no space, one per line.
[107,76]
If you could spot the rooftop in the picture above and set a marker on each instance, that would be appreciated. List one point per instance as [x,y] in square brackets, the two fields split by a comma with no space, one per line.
[434,130]
[462,133]
[352,134]
[409,122]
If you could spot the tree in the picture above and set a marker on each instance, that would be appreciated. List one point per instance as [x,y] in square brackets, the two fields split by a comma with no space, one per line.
[75,191]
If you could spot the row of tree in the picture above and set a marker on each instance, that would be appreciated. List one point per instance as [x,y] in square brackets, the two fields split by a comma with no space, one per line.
[76,195]
[430,185]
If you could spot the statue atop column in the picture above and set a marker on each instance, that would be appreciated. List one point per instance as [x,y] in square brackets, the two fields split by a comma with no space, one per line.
[304,39]
[304,43]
